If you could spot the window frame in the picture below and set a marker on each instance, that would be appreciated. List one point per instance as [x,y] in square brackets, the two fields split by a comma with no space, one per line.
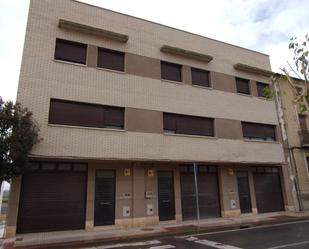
[111,51]
[180,117]
[258,138]
[103,110]
[201,71]
[58,58]
[257,88]
[239,79]
[172,64]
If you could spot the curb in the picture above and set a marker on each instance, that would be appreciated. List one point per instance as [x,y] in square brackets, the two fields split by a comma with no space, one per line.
[161,234]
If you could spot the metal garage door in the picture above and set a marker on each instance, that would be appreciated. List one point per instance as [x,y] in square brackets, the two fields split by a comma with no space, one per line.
[209,202]
[53,198]
[268,189]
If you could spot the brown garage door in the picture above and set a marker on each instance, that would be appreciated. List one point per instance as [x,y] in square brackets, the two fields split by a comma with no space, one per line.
[268,189]
[53,198]
[209,203]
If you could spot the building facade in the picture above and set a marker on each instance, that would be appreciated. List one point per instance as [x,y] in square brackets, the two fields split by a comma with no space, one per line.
[125,107]
[295,141]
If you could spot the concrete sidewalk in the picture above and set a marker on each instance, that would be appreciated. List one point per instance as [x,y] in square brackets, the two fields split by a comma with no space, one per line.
[101,235]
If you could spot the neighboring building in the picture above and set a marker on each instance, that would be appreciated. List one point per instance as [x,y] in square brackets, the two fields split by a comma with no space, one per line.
[125,107]
[296,141]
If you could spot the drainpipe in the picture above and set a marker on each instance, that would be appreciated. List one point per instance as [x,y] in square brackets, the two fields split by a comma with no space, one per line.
[196,195]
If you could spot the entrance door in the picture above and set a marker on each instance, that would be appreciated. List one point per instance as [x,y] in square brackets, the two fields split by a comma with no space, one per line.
[166,195]
[268,189]
[104,211]
[244,192]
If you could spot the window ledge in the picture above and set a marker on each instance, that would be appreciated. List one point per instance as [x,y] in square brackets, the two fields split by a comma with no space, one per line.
[86,127]
[110,70]
[187,135]
[261,141]
[203,87]
[172,81]
[70,63]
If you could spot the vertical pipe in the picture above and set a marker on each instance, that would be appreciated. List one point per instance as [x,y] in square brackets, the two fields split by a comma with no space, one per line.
[196,195]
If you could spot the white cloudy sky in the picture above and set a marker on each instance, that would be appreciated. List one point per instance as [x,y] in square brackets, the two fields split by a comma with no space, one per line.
[262,25]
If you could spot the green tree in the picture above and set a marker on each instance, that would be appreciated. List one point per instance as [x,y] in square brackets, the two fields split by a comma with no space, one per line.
[18,134]
[300,87]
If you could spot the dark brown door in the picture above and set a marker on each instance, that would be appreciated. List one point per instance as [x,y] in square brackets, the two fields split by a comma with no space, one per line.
[244,192]
[104,211]
[268,191]
[166,195]
[209,203]
[52,202]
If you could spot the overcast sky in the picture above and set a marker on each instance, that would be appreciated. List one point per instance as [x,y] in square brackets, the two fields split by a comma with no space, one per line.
[262,25]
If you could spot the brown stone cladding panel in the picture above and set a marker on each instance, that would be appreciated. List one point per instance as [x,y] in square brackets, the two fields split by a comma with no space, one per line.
[186,75]
[228,129]
[142,66]
[92,56]
[223,82]
[141,120]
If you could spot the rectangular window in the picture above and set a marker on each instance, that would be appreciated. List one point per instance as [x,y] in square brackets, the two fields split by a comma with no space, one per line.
[170,71]
[242,86]
[70,51]
[257,131]
[200,77]
[111,59]
[191,125]
[260,88]
[87,115]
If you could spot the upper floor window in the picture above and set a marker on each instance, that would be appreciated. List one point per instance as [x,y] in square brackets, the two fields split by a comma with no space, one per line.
[87,115]
[260,88]
[257,131]
[170,71]
[70,51]
[200,77]
[111,59]
[191,125]
[242,85]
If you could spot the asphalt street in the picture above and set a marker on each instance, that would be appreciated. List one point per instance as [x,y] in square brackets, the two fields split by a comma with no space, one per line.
[294,235]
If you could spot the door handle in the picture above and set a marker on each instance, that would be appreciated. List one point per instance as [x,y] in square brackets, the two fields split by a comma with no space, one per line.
[105,203]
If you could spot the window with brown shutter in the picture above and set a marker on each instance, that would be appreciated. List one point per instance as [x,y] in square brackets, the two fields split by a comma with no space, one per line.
[260,88]
[242,86]
[190,125]
[111,59]
[200,77]
[70,51]
[88,115]
[259,131]
[170,71]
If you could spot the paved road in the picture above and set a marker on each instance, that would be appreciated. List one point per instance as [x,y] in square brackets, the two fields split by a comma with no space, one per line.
[293,235]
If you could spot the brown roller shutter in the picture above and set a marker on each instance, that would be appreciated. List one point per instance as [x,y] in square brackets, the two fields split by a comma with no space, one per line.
[195,126]
[170,122]
[200,77]
[111,59]
[259,131]
[260,88]
[114,117]
[209,202]
[242,86]
[170,71]
[191,125]
[74,113]
[268,190]
[52,201]
[70,51]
